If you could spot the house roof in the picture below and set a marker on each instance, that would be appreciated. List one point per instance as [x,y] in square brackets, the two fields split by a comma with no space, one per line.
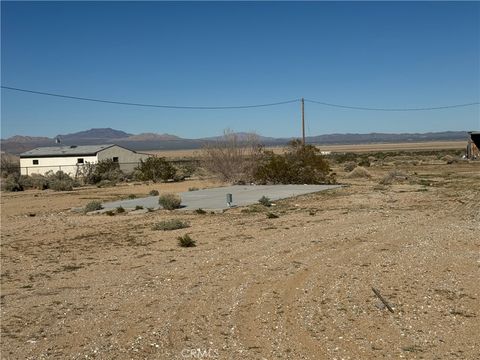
[61,151]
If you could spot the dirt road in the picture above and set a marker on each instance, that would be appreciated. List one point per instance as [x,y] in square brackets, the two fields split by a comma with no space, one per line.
[294,287]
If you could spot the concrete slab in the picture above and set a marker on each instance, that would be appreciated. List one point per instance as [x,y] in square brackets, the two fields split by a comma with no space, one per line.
[215,199]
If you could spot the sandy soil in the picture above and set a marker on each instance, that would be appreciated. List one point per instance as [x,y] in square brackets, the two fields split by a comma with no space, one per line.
[296,287]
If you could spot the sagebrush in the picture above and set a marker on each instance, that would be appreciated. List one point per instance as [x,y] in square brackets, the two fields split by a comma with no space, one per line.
[170,201]
[168,225]
[155,169]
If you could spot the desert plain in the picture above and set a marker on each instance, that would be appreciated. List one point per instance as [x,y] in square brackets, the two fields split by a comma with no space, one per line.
[299,286]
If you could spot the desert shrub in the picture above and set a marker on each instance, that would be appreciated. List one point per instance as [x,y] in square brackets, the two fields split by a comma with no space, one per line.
[61,185]
[155,169]
[104,170]
[153,193]
[138,207]
[394,176]
[185,169]
[131,196]
[172,224]
[349,166]
[120,210]
[232,158]
[300,164]
[36,181]
[186,241]
[272,216]
[110,213]
[364,163]
[359,172]
[200,211]
[450,159]
[193,188]
[265,201]
[12,183]
[9,165]
[60,181]
[345,157]
[106,183]
[170,201]
[93,206]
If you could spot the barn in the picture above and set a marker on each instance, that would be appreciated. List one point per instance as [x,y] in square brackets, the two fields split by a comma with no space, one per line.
[70,159]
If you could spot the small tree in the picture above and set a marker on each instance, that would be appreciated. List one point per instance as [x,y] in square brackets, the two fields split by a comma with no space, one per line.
[155,169]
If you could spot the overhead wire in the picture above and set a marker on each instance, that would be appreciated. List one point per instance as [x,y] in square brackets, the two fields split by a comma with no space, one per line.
[238,106]
[151,105]
[391,109]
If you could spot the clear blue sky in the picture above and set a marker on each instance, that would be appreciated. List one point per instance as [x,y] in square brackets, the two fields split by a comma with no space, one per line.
[375,54]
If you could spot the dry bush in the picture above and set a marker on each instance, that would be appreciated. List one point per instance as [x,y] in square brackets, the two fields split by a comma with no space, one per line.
[394,176]
[349,166]
[449,159]
[155,169]
[9,165]
[359,172]
[168,225]
[232,159]
[170,201]
[299,164]
[98,173]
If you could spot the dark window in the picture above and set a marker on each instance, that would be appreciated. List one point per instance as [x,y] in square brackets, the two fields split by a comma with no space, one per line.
[80,161]
[115,159]
[35,162]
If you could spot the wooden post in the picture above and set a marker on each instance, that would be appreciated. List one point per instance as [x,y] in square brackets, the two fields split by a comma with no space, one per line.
[303,121]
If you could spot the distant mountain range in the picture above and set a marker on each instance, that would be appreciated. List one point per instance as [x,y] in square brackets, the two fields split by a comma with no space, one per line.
[151,141]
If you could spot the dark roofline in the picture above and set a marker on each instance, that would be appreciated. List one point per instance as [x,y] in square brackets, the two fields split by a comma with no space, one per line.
[57,155]
[28,156]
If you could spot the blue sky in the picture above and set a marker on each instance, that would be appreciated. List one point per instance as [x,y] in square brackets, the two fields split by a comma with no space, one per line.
[376,54]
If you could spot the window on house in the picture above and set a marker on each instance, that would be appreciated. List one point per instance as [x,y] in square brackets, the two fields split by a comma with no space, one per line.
[80,161]
[35,162]
[115,159]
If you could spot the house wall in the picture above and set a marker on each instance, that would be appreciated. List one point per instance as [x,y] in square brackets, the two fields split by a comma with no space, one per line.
[67,164]
[127,159]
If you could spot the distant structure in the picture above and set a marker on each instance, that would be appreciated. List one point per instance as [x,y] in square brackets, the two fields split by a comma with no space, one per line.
[70,159]
[473,145]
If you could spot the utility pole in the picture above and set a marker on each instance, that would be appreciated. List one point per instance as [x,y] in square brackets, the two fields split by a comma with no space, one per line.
[303,122]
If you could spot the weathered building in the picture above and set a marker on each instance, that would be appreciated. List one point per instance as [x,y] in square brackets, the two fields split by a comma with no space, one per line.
[71,159]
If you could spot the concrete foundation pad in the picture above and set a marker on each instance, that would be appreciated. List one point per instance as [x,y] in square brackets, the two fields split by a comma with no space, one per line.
[216,198]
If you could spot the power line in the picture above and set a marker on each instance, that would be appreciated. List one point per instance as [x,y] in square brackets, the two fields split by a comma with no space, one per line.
[151,105]
[239,106]
[392,109]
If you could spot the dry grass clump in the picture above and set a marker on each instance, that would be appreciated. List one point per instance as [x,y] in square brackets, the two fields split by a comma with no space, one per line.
[358,173]
[186,241]
[394,176]
[449,159]
[168,225]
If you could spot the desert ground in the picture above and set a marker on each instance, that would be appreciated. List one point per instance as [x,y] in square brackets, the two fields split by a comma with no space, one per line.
[299,286]
[355,148]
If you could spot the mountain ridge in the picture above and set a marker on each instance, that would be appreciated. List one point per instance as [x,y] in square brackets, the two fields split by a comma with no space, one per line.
[154,141]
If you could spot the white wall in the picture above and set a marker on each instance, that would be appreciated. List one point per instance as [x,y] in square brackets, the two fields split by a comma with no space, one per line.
[66,164]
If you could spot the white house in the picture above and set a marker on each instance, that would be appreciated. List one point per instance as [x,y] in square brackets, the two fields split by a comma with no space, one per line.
[70,159]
